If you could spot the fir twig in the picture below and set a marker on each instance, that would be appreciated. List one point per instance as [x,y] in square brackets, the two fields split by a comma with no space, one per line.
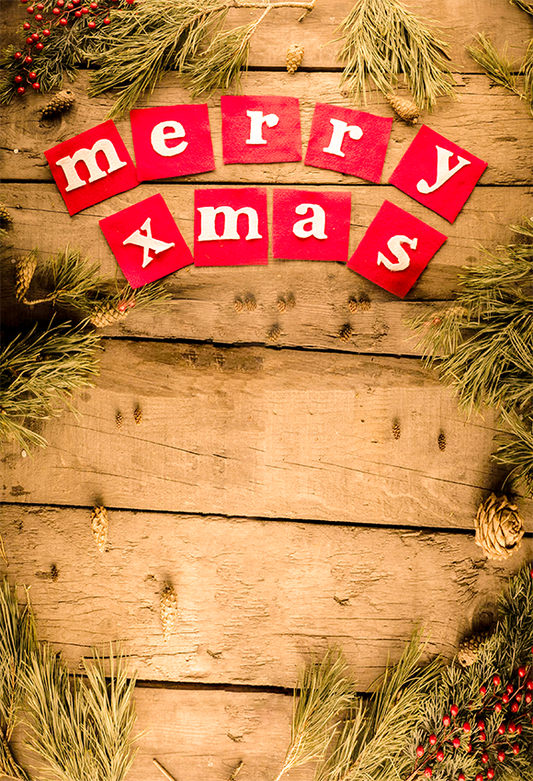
[524,5]
[324,691]
[381,40]
[500,69]
[516,447]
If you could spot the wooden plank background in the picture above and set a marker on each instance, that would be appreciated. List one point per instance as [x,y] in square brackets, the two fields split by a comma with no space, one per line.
[264,481]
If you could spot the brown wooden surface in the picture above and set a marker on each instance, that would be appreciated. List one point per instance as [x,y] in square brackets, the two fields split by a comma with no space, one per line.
[264,481]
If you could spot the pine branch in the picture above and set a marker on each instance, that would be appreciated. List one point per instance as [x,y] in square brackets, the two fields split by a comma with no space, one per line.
[381,40]
[524,5]
[500,69]
[527,70]
[516,448]
[325,690]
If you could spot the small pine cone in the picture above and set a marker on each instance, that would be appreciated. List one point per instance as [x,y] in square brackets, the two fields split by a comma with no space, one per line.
[61,102]
[106,314]
[365,304]
[470,647]
[5,215]
[396,430]
[168,610]
[99,527]
[137,416]
[499,527]
[274,333]
[442,441]
[295,55]
[346,333]
[282,305]
[239,306]
[24,271]
[405,109]
[353,305]
[291,301]
[250,303]
[119,419]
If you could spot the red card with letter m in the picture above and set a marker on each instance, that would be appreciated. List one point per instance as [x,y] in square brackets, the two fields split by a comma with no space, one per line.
[91,167]
[395,250]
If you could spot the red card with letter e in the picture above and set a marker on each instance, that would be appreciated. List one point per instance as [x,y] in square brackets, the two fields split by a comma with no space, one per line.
[260,129]
[230,227]
[437,173]
[146,241]
[311,225]
[349,141]
[91,167]
[395,250]
[172,141]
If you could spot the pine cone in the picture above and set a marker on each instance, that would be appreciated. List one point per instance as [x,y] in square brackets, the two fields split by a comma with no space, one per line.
[345,333]
[250,303]
[61,102]
[353,305]
[274,333]
[168,610]
[5,215]
[295,55]
[365,304]
[106,314]
[396,430]
[137,416]
[239,306]
[119,419]
[24,271]
[499,527]
[469,649]
[282,305]
[405,109]
[99,527]
[442,441]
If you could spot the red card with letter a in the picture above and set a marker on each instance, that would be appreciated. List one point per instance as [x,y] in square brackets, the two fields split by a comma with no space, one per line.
[230,226]
[349,141]
[437,173]
[172,141]
[146,241]
[260,129]
[311,225]
[91,167]
[395,250]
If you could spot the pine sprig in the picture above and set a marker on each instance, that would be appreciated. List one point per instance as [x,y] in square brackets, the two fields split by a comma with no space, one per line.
[324,691]
[482,345]
[381,40]
[498,66]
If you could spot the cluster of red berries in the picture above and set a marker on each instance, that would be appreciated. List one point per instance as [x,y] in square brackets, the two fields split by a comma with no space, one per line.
[513,702]
[40,28]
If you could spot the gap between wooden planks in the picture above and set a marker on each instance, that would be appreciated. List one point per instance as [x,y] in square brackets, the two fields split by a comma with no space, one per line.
[255,599]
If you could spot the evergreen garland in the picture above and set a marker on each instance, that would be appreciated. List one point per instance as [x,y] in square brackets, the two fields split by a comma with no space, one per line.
[482,346]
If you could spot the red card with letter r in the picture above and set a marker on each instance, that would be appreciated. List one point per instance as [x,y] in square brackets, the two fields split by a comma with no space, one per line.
[260,129]
[395,250]
[91,167]
[172,141]
[230,226]
[349,141]
[311,225]
[437,173]
[146,241]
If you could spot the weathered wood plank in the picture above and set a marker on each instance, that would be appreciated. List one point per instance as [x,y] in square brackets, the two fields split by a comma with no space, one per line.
[457,20]
[262,432]
[490,122]
[254,598]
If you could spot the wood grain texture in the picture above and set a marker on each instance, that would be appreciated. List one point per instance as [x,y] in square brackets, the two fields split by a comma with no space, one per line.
[255,599]
[457,20]
[263,432]
[488,121]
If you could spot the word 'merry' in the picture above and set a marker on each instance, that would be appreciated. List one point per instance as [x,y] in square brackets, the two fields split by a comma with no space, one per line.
[231,224]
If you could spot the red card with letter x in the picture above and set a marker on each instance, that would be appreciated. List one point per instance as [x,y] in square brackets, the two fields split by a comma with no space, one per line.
[395,250]
[146,241]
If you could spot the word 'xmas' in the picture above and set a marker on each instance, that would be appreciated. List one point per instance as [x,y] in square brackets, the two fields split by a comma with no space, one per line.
[231,226]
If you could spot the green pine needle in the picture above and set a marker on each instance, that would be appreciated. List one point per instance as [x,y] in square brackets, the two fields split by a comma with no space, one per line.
[498,66]
[381,40]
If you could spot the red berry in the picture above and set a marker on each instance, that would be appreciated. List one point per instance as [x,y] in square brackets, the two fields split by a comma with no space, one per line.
[29,41]
[479,777]
[56,11]
[61,3]
[509,688]
[498,707]
[63,22]
[26,26]
[529,684]
[461,777]
[85,11]
[40,6]
[36,85]
[446,721]
[107,20]
[496,680]
[519,729]
[466,727]
[515,707]
[94,6]
[454,710]
[38,17]
[490,772]
[420,749]
[529,698]
[30,9]
[481,724]
[482,737]
[432,740]
[35,36]
[505,699]
[428,772]
[17,55]
[516,748]
[32,76]
[483,690]
[440,755]
[21,90]
[91,24]
[501,756]
[18,79]
[77,14]
[39,46]
[521,672]
[501,730]
[23,2]
[484,758]
[46,32]
[456,742]
[512,727]
[518,696]
[469,748]
[130,2]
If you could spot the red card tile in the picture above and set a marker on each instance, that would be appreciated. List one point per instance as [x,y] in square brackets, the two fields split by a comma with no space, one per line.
[230,226]
[91,167]
[311,225]
[172,141]
[395,249]
[146,241]
[260,129]
[349,141]
[437,173]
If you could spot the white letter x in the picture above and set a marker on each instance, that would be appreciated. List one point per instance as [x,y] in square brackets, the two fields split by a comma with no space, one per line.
[147,242]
